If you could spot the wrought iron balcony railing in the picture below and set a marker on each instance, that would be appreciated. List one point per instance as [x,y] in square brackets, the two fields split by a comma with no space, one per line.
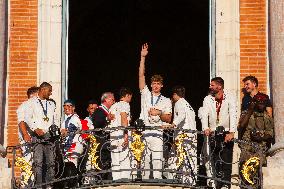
[108,156]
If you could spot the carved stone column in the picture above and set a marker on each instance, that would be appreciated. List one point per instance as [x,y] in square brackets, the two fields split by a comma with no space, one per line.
[273,174]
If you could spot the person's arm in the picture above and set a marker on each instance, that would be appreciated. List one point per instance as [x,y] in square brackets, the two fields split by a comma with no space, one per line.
[269,111]
[180,117]
[203,115]
[269,128]
[166,115]
[124,122]
[245,116]
[22,123]
[142,80]
[24,131]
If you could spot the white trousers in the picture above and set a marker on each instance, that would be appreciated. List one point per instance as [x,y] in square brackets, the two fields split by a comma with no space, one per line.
[120,157]
[153,154]
[74,152]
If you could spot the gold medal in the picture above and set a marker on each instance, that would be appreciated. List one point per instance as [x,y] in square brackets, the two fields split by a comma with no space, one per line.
[45,119]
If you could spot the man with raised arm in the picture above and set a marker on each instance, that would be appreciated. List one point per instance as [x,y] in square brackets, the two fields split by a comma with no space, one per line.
[156,110]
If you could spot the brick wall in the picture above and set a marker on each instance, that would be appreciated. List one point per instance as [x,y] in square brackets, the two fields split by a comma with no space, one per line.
[22,68]
[253,41]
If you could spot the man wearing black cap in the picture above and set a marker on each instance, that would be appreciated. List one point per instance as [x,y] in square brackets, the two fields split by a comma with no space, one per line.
[73,146]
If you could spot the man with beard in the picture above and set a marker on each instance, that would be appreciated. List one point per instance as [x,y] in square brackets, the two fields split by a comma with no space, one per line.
[219,120]
[156,110]
[40,115]
[250,90]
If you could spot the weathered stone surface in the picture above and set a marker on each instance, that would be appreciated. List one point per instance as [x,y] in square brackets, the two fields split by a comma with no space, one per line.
[273,174]
[5,174]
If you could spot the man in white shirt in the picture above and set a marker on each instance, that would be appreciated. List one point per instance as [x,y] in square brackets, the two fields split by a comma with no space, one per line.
[156,110]
[40,115]
[184,118]
[219,111]
[119,138]
[25,133]
[73,144]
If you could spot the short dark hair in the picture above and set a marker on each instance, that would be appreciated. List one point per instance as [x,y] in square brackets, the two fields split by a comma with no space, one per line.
[252,79]
[44,84]
[92,101]
[124,91]
[32,90]
[218,80]
[179,90]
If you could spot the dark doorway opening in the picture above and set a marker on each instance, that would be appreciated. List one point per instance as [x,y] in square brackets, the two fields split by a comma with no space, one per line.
[105,38]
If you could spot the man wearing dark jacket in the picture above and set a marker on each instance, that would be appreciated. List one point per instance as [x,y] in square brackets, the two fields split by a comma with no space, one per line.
[101,118]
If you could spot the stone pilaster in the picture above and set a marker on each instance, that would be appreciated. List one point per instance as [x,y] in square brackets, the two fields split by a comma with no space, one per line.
[273,174]
[49,46]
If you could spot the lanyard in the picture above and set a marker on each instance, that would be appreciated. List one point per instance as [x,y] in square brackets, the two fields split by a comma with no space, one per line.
[218,106]
[152,99]
[44,110]
[67,121]
[106,110]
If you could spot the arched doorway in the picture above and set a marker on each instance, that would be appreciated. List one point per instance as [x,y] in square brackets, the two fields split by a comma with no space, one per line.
[104,47]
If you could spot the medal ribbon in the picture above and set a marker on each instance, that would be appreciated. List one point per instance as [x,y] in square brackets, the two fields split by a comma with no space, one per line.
[152,99]
[218,106]
[106,110]
[44,110]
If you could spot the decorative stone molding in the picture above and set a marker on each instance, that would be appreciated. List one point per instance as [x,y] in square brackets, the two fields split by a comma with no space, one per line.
[49,46]
[227,44]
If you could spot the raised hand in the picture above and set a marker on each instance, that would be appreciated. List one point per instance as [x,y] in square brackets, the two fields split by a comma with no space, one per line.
[144,50]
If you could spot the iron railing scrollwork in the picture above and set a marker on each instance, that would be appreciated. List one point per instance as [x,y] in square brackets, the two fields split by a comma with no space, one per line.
[181,161]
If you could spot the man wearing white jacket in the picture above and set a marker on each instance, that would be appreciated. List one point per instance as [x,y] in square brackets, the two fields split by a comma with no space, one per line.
[219,121]
[156,110]
[184,118]
[119,138]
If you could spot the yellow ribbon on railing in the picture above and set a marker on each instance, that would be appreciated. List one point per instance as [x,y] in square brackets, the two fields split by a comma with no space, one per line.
[93,151]
[25,167]
[137,147]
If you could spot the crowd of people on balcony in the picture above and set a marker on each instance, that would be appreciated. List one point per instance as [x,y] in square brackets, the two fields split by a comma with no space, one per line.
[218,115]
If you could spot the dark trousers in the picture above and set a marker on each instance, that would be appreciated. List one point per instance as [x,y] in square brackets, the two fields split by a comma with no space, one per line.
[44,162]
[104,154]
[222,156]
